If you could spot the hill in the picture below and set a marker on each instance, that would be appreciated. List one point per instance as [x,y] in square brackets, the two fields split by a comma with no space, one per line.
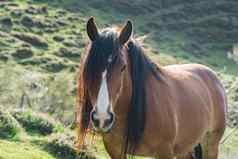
[41,42]
[51,34]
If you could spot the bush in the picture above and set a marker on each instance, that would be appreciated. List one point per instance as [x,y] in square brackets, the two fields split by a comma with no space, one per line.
[9,127]
[37,122]
[52,94]
[59,100]
[233,116]
[62,146]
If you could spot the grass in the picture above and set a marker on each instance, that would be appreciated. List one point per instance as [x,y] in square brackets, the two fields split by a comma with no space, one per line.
[19,150]
[9,127]
[31,144]
[229,149]
[32,147]
[36,123]
[46,26]
[169,43]
[59,68]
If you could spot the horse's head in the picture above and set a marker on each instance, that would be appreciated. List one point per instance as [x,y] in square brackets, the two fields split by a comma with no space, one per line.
[106,72]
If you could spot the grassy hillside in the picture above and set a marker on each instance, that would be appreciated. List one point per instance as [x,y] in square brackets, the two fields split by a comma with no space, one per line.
[51,34]
[41,43]
[19,150]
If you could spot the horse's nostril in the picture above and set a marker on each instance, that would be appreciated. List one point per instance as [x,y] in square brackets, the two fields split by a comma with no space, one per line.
[93,115]
[111,117]
[94,119]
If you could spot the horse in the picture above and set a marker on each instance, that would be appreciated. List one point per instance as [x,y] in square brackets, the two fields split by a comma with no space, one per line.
[143,109]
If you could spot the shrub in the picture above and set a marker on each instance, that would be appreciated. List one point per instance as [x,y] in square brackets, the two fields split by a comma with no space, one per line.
[233,116]
[62,146]
[59,100]
[37,122]
[9,127]
[53,94]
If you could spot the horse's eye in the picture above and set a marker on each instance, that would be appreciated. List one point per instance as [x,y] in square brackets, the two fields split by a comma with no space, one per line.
[123,68]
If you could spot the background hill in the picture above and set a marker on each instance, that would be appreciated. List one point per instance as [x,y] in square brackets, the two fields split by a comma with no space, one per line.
[41,42]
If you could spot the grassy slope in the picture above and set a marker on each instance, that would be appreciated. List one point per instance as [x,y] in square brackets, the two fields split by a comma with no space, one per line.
[171,49]
[48,60]
[172,42]
[20,150]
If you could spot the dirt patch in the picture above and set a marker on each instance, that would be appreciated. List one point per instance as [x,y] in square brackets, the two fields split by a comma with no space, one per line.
[27,21]
[36,10]
[58,38]
[4,58]
[68,52]
[54,66]
[6,24]
[7,21]
[23,53]
[34,40]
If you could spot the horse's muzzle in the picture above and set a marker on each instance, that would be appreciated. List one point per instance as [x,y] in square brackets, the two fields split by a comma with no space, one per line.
[102,124]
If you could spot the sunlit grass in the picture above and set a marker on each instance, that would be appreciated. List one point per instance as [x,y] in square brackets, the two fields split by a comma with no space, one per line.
[19,150]
[61,104]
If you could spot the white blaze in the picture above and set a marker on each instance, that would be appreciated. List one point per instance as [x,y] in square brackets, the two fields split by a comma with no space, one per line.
[102,103]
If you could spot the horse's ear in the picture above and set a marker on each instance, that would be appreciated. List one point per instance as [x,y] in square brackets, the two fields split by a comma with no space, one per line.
[126,32]
[92,29]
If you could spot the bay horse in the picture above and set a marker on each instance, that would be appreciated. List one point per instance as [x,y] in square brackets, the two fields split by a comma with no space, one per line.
[144,109]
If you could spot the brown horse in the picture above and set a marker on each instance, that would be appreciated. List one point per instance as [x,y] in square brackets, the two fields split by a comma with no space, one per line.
[145,109]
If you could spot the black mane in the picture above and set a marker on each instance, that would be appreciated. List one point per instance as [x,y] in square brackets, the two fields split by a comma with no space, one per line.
[141,66]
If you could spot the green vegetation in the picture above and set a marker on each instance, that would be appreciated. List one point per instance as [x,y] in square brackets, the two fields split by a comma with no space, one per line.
[36,136]
[20,150]
[41,43]
[62,145]
[37,123]
[9,127]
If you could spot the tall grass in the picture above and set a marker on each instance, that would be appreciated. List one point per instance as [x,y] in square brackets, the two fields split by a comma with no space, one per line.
[52,94]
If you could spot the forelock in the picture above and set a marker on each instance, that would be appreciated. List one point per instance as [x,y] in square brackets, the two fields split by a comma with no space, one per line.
[106,45]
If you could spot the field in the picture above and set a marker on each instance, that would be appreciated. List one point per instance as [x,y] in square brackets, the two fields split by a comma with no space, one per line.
[41,42]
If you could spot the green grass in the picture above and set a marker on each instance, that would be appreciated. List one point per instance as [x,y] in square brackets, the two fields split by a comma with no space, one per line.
[38,137]
[19,150]
[31,149]
[229,149]
[170,44]
[61,67]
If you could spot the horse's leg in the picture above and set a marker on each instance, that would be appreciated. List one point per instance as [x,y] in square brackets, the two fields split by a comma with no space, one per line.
[114,151]
[164,156]
[213,147]
[187,156]
[114,154]
[210,145]
[165,152]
